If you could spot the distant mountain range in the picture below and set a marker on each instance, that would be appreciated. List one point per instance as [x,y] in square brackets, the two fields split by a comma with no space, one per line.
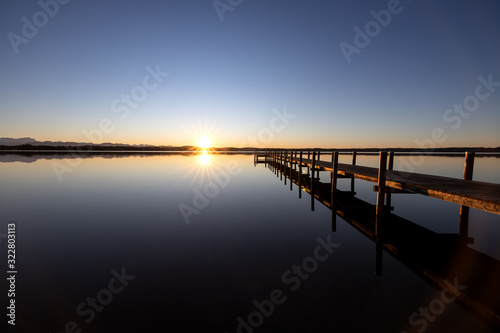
[33,142]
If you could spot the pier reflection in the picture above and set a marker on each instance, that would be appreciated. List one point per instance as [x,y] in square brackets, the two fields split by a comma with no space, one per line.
[443,260]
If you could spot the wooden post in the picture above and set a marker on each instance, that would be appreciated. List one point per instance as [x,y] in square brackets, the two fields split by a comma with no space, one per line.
[335,166]
[300,162]
[300,175]
[276,162]
[312,179]
[281,164]
[390,167]
[380,194]
[291,164]
[308,157]
[276,154]
[469,165]
[318,157]
[333,176]
[464,210]
[284,165]
[352,179]
[313,166]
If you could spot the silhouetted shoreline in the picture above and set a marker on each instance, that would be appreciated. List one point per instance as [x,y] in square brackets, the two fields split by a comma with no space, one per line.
[157,149]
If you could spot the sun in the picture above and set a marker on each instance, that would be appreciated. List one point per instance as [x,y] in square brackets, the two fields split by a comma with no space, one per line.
[204,142]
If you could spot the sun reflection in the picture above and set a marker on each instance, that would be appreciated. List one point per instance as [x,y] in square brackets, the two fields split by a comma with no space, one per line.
[204,158]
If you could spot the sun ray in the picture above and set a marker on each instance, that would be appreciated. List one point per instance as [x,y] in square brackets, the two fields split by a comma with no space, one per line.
[203,135]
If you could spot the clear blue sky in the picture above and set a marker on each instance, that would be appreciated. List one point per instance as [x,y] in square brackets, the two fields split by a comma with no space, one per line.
[225,78]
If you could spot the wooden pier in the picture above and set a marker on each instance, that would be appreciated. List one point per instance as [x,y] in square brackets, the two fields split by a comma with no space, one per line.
[437,258]
[466,192]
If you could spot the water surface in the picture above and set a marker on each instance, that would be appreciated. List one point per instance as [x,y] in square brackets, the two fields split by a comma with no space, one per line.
[207,240]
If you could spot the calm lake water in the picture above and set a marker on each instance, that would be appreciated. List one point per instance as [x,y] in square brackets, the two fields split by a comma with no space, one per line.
[214,243]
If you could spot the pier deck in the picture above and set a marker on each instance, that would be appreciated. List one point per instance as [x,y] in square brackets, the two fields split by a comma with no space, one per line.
[475,194]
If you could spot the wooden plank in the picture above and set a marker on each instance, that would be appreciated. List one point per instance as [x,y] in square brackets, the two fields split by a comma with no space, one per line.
[391,190]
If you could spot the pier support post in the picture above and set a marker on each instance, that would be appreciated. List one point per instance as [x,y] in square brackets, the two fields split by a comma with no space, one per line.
[335,166]
[390,167]
[464,210]
[291,166]
[318,157]
[380,194]
[281,164]
[308,157]
[313,166]
[379,228]
[284,165]
[312,179]
[300,175]
[352,179]
[331,174]
[276,162]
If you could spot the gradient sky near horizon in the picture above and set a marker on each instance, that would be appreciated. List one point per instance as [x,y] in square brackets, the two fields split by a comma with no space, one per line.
[227,79]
